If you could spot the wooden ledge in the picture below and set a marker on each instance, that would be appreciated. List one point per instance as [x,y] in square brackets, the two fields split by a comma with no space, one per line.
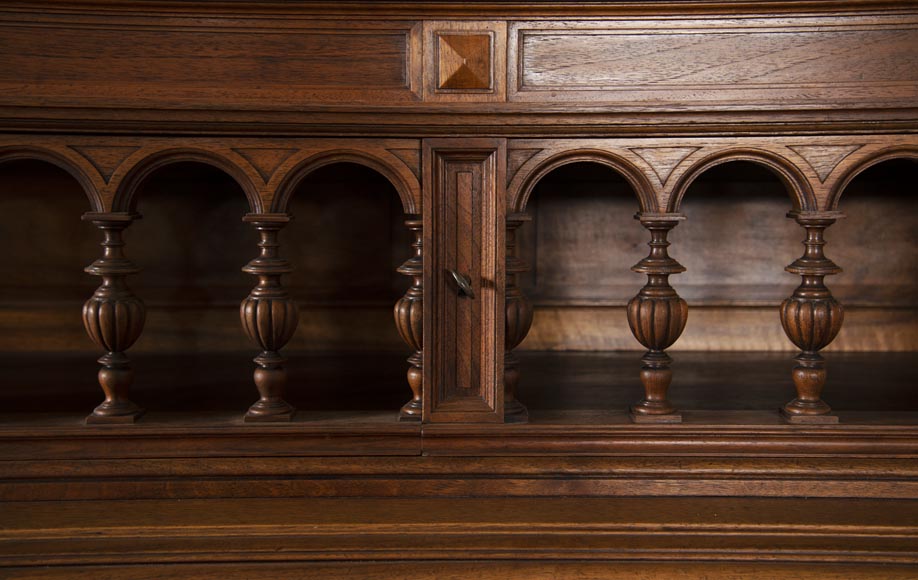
[583,529]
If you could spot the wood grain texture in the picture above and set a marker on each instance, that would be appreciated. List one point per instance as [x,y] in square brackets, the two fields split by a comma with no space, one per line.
[464,335]
[329,70]
[349,115]
[465,61]
[519,569]
[729,63]
[597,529]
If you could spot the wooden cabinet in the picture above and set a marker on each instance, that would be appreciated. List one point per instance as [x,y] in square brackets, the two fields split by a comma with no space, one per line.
[621,360]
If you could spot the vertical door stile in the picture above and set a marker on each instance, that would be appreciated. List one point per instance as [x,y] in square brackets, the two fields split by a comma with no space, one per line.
[464,217]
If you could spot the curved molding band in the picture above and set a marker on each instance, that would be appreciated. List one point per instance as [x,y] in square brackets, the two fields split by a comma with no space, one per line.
[795,182]
[520,189]
[288,179]
[88,178]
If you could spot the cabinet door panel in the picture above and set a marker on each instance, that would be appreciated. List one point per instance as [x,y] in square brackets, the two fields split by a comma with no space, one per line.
[464,234]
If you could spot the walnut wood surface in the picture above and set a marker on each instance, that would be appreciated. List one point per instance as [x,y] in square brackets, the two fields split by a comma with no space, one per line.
[409,319]
[465,117]
[312,529]
[691,66]
[463,209]
[113,318]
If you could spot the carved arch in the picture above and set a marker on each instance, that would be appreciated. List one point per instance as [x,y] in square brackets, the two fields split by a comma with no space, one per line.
[795,182]
[883,155]
[136,175]
[83,175]
[520,189]
[394,170]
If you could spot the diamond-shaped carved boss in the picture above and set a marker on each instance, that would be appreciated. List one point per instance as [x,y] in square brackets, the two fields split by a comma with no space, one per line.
[464,62]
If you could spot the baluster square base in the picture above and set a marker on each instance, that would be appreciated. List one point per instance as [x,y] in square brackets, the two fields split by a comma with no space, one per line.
[669,418]
[113,419]
[278,418]
[808,419]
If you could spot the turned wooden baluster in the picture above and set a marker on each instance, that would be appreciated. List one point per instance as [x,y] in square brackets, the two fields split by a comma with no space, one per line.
[811,317]
[657,317]
[409,321]
[518,321]
[269,317]
[114,319]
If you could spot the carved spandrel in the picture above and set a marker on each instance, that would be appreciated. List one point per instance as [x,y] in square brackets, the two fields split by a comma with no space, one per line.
[824,158]
[106,159]
[663,160]
[265,160]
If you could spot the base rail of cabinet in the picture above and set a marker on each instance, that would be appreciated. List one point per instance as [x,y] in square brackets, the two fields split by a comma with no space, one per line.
[396,535]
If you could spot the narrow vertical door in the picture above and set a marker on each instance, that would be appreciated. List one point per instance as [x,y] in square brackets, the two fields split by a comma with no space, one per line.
[464,210]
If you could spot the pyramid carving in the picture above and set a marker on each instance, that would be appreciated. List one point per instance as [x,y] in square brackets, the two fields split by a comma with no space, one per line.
[465,61]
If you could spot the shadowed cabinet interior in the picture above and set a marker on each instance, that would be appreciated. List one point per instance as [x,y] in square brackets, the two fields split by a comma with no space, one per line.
[492,289]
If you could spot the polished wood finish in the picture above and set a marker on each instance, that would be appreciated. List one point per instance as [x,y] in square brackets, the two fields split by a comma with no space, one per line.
[114,319]
[464,277]
[811,318]
[517,323]
[657,316]
[269,318]
[409,319]
[469,118]
[609,530]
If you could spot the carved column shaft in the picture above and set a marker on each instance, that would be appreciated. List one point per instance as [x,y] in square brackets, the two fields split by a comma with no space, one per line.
[409,320]
[114,319]
[518,321]
[811,317]
[269,317]
[657,317]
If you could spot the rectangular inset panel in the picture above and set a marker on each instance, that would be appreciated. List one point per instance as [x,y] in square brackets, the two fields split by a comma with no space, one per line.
[870,61]
[464,240]
[215,65]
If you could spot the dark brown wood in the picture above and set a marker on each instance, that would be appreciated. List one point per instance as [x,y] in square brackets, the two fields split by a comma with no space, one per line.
[613,531]
[409,319]
[657,316]
[114,318]
[464,280]
[811,318]
[518,320]
[269,318]
[467,117]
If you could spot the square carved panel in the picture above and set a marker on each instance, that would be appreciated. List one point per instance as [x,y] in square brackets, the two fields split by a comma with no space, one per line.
[465,61]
